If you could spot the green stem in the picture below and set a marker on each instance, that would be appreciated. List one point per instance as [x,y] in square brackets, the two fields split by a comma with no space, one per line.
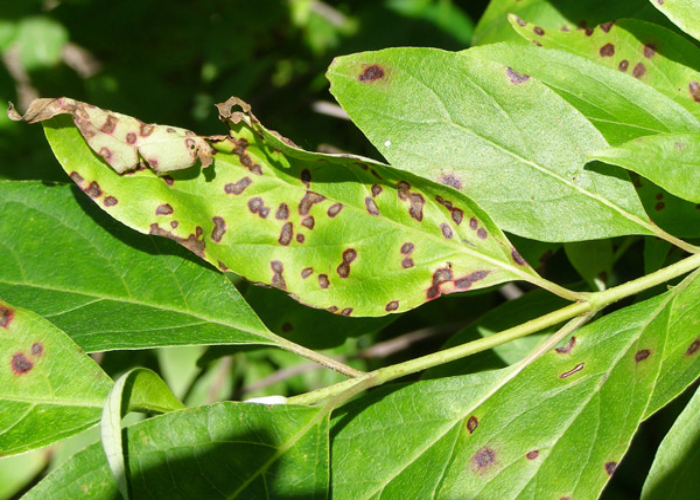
[592,303]
[318,358]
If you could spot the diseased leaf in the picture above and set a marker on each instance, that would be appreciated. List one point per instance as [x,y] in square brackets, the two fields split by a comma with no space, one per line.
[229,450]
[49,388]
[620,107]
[650,53]
[107,286]
[674,471]
[556,429]
[683,13]
[281,216]
[671,213]
[670,160]
[507,141]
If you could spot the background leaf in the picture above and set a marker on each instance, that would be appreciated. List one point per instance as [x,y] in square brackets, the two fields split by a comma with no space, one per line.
[108,287]
[49,388]
[593,260]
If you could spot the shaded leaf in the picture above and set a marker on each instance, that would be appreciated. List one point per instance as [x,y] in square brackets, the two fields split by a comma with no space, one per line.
[508,141]
[683,13]
[670,160]
[40,40]
[556,429]
[107,286]
[17,472]
[674,471]
[49,388]
[593,260]
[281,216]
[671,213]
[234,450]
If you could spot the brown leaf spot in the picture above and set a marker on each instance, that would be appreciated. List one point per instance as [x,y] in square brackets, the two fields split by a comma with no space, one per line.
[237,187]
[566,348]
[286,234]
[332,309]
[415,209]
[532,455]
[606,27]
[371,73]
[306,178]
[624,64]
[649,50]
[659,206]
[694,88]
[371,206]
[219,228]
[659,196]
[517,258]
[445,203]
[282,212]
[450,180]
[309,200]
[309,222]
[168,180]
[6,317]
[516,77]
[192,243]
[93,190]
[109,125]
[334,209]
[146,129]
[404,188]
[483,459]
[349,255]
[198,231]
[323,281]
[610,468]
[21,364]
[407,248]
[457,215]
[446,231]
[130,138]
[472,424]
[376,190]
[286,327]
[343,270]
[37,349]
[466,282]
[164,209]
[481,233]
[538,31]
[306,272]
[407,263]
[442,275]
[277,278]
[174,224]
[642,355]
[607,50]
[77,178]
[589,31]
[346,312]
[639,70]
[692,348]
[519,21]
[575,369]
[392,306]
[257,206]
[110,201]
[473,223]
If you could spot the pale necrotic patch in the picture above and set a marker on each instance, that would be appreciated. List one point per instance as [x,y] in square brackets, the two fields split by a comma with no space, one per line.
[219,228]
[309,200]
[164,209]
[392,306]
[282,212]
[334,209]
[37,349]
[286,234]
[371,206]
[309,222]
[323,281]
[306,272]
[277,278]
[110,201]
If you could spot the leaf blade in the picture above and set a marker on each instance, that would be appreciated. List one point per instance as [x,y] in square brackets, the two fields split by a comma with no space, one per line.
[683,13]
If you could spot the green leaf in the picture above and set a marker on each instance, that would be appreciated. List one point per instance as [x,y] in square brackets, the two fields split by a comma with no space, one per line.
[652,54]
[138,389]
[17,472]
[558,428]
[671,213]
[620,107]
[593,260]
[674,471]
[340,233]
[507,141]
[230,450]
[670,160]
[108,287]
[49,388]
[40,40]
[683,13]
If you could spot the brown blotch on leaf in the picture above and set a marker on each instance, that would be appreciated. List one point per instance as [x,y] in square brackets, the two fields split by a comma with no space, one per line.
[192,242]
[407,248]
[219,228]
[174,224]
[519,21]
[164,209]
[482,233]
[610,468]
[566,348]
[450,180]
[334,209]
[649,50]
[349,256]
[146,129]
[538,31]
[309,200]
[445,203]
[257,206]
[659,206]
[287,327]
[37,349]
[323,281]
[244,157]
[371,73]
[466,282]
[309,222]
[110,124]
[237,187]
[198,231]
[516,77]
[306,272]
[286,234]
[282,212]
[641,355]
[300,238]
[93,190]
[130,138]
[21,364]
[606,27]
[416,207]
[407,263]
[6,317]
[589,31]
[404,188]
[607,50]
[693,347]
[457,215]
[392,306]
[639,70]
[346,312]
[442,275]
[624,64]
[473,223]
[306,178]
[446,231]
[694,88]
[472,424]
[168,180]
[110,201]
[332,309]
[659,196]
[371,206]
[575,369]
[483,459]
[517,258]
[532,455]
[77,178]
[277,278]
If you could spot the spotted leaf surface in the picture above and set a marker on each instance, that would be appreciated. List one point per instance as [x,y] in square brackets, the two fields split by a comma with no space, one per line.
[49,388]
[107,286]
[226,450]
[670,160]
[649,53]
[683,13]
[671,213]
[501,137]
[125,143]
[557,429]
[339,233]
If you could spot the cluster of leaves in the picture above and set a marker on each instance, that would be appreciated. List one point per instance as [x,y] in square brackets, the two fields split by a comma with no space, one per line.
[565,131]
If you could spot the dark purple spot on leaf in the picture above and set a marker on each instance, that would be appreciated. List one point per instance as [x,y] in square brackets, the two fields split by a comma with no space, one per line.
[445,203]
[334,209]
[538,31]
[606,27]
[516,77]
[376,190]
[639,70]
[110,201]
[309,200]
[484,458]
[301,238]
[306,272]
[6,317]
[109,125]
[472,424]
[649,51]
[517,258]
[237,187]
[306,178]
[442,275]
[277,278]
[164,209]
[520,21]
[659,196]
[93,190]
[532,455]
[287,327]
[450,180]
[145,129]
[192,242]
[407,248]
[624,64]
[589,31]
[692,348]
[20,364]
[332,309]
[371,73]
[607,50]
[457,215]
[566,348]
[286,234]
[481,233]
[694,88]
[473,223]
[642,355]
[416,207]
[446,231]
[346,312]
[407,263]
[659,206]
[130,138]
[37,349]
[323,281]
[392,306]
[309,222]
[168,180]
[77,178]
[282,212]
[467,282]
[575,369]
[610,468]
[174,224]
[371,206]
[219,228]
